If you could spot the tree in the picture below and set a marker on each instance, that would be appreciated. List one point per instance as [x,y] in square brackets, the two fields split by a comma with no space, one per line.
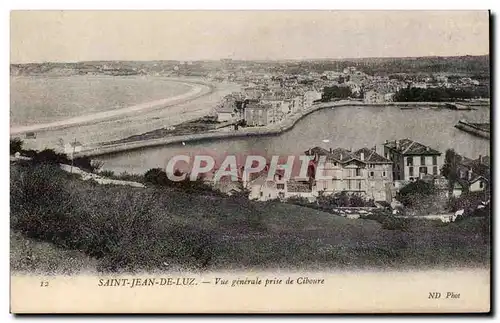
[332,92]
[156,176]
[451,162]
[16,145]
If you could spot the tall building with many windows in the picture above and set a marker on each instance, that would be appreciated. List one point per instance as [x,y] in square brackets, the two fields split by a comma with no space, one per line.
[412,159]
[362,171]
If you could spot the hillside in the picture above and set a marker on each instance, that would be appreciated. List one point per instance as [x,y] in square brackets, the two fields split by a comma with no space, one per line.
[477,66]
[115,228]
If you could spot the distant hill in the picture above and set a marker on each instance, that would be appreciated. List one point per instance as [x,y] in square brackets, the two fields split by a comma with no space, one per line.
[471,65]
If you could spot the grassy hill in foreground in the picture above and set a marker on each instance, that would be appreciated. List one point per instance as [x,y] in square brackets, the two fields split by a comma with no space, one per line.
[111,228]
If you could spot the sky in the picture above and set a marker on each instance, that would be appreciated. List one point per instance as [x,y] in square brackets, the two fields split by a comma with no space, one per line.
[70,36]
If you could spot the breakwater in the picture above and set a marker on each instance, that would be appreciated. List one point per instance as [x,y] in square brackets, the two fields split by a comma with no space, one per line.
[477,129]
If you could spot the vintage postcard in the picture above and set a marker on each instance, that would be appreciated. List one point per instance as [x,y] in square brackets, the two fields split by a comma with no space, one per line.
[250,162]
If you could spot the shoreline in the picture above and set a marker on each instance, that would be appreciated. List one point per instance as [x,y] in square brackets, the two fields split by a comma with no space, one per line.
[273,130]
[198,90]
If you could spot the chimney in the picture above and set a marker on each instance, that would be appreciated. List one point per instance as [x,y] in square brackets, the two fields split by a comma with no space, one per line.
[480,159]
[427,149]
[362,156]
[340,156]
[397,144]
[331,150]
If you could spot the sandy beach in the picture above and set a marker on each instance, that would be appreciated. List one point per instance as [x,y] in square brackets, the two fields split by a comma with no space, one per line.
[197,90]
[93,129]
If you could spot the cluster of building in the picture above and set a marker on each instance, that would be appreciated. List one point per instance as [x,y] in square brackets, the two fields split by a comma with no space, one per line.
[266,103]
[472,175]
[372,175]
[368,88]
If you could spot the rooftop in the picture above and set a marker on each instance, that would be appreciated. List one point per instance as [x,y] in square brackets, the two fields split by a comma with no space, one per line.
[410,147]
[343,155]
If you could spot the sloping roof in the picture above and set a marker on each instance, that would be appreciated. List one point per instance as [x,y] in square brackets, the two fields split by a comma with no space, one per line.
[476,178]
[317,150]
[485,160]
[410,147]
[371,156]
[226,107]
[342,154]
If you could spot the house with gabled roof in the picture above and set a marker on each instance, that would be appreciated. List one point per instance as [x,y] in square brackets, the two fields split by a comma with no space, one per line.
[474,174]
[363,171]
[412,159]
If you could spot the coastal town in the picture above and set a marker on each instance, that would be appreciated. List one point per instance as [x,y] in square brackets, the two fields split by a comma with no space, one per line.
[242,143]
[269,99]
[272,100]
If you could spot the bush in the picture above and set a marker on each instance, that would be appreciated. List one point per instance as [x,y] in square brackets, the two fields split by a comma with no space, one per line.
[299,200]
[107,173]
[49,156]
[156,176]
[393,223]
[16,145]
[411,194]
[468,201]
[41,205]
[85,163]
[344,199]
[124,229]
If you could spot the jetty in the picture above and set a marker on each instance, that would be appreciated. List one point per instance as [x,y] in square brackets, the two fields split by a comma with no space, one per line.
[478,129]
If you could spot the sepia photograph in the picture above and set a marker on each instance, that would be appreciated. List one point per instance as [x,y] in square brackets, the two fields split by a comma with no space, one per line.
[287,161]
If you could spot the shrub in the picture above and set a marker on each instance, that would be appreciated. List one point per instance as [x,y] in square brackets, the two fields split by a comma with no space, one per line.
[411,194]
[16,145]
[343,199]
[156,176]
[85,163]
[107,173]
[49,156]
[41,205]
[299,200]
[393,223]
[125,229]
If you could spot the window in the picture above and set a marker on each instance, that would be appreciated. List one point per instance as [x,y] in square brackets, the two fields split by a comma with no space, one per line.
[422,170]
[261,194]
[434,170]
[481,184]
[383,174]
[358,172]
[280,186]
[372,174]
[359,185]
[434,160]
[411,171]
[409,161]
[335,164]
[422,160]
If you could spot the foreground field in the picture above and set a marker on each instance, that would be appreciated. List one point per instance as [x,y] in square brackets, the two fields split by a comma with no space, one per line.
[110,228]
